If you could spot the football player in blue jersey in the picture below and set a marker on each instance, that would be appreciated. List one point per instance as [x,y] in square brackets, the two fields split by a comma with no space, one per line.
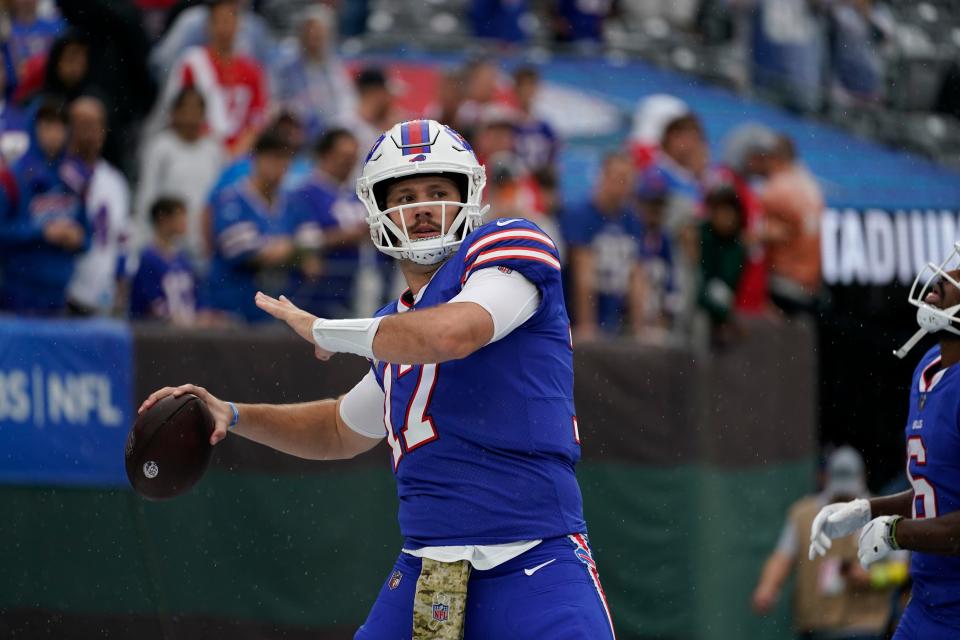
[471,383]
[926,518]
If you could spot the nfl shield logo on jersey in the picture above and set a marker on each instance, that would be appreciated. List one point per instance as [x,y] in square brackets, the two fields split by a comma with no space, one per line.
[395,580]
[441,608]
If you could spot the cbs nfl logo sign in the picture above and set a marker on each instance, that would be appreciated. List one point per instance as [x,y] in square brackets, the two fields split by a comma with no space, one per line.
[441,608]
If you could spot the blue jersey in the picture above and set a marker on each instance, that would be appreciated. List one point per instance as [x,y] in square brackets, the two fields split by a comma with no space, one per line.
[241,168]
[675,180]
[243,223]
[656,252]
[933,468]
[164,287]
[499,19]
[484,447]
[615,241]
[320,206]
[536,144]
[29,39]
[36,271]
[584,19]
[12,118]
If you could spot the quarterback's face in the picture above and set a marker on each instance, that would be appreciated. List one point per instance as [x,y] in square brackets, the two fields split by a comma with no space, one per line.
[423,221]
[943,294]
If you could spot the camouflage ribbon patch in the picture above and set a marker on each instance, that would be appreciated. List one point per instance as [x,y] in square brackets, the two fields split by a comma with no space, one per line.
[440,601]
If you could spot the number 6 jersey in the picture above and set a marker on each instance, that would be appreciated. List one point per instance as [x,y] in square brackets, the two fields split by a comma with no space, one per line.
[484,447]
[933,469]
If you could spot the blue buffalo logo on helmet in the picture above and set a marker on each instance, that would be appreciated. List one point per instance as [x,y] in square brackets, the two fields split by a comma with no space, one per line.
[373,149]
[459,138]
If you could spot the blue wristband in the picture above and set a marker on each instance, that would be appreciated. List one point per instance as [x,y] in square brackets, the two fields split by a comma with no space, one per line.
[236,416]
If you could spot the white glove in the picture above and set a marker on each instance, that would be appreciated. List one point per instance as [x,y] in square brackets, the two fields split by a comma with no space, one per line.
[877,539]
[836,521]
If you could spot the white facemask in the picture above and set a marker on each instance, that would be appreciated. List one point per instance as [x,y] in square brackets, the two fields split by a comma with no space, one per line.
[930,318]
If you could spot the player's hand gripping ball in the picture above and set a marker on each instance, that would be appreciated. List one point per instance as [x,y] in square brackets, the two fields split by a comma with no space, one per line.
[169,448]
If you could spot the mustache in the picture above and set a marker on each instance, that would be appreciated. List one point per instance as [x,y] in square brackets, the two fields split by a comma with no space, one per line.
[420,227]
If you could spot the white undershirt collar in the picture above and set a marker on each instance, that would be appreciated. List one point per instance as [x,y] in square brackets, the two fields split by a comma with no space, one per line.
[928,383]
[402,304]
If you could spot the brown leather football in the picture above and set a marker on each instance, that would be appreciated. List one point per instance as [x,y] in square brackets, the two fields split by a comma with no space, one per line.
[169,448]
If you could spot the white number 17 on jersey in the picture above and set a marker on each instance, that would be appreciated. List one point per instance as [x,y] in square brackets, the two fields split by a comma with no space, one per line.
[418,428]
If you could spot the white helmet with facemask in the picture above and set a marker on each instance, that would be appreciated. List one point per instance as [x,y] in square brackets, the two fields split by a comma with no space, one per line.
[933,319]
[421,148]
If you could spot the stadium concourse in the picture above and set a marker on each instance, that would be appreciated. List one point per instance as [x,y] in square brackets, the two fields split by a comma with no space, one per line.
[739,209]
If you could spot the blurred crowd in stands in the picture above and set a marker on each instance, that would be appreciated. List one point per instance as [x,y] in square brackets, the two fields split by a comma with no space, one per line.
[672,237]
[164,160]
[811,55]
[793,49]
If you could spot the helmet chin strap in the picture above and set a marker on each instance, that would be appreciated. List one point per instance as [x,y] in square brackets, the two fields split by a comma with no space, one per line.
[430,256]
[931,320]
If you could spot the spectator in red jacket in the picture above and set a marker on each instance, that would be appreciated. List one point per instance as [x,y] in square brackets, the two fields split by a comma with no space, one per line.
[233,86]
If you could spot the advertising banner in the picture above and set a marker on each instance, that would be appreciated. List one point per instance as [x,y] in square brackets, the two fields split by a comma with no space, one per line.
[883,247]
[65,401]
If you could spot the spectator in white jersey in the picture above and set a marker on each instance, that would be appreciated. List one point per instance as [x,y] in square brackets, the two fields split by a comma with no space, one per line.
[181,160]
[93,288]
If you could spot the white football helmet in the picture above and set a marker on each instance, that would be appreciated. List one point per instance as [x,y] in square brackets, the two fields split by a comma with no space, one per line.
[417,148]
[930,318]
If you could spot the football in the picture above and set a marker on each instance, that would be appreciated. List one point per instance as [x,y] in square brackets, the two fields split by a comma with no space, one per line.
[169,448]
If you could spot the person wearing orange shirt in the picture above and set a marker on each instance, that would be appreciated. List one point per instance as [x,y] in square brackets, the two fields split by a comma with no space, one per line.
[793,206]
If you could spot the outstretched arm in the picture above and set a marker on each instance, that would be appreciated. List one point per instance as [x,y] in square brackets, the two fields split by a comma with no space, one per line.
[312,430]
[490,305]
[445,332]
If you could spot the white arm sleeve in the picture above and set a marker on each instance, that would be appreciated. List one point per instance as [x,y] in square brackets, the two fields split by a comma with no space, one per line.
[509,298]
[362,408]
